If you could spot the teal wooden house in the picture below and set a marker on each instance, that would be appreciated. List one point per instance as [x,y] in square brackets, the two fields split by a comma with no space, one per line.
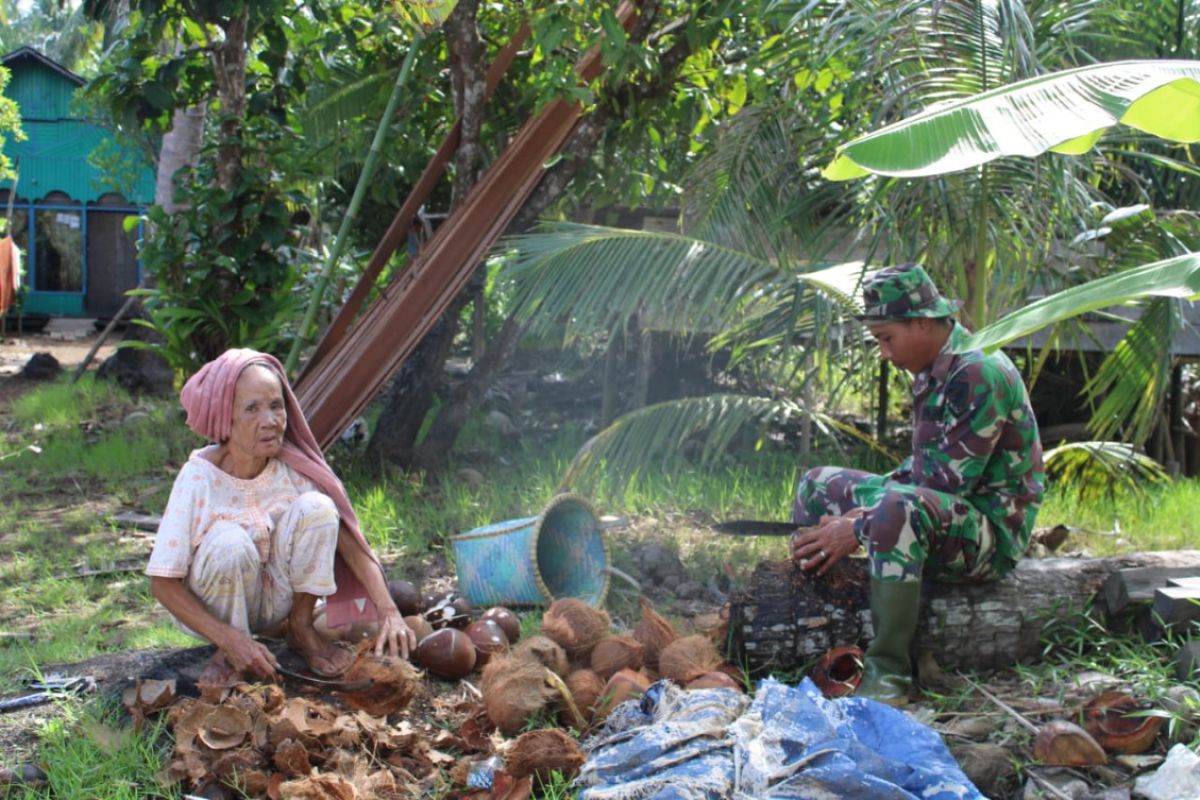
[68,216]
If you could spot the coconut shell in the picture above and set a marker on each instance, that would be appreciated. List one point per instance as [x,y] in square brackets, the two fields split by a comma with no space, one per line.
[624,685]
[538,753]
[447,653]
[1064,744]
[545,652]
[507,620]
[839,671]
[1107,717]
[615,653]
[405,596]
[586,688]
[655,633]
[488,638]
[575,626]
[686,659]
[418,625]
[514,690]
[714,680]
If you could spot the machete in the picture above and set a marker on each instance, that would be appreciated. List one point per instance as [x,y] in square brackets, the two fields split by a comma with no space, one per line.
[755,527]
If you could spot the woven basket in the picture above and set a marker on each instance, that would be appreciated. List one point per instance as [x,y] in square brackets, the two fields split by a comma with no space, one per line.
[535,560]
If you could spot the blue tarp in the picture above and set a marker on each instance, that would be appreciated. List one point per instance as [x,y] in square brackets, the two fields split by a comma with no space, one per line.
[790,742]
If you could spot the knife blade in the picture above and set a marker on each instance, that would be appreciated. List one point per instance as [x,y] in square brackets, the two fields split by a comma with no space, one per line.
[755,527]
[329,683]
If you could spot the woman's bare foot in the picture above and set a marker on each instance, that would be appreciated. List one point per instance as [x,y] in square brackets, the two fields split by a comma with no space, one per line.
[218,674]
[324,658]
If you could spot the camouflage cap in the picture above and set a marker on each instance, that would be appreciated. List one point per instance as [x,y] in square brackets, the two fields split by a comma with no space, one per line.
[904,292]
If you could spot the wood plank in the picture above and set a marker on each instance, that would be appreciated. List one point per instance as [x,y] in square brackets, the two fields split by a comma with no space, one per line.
[1177,606]
[1187,663]
[1192,582]
[1137,585]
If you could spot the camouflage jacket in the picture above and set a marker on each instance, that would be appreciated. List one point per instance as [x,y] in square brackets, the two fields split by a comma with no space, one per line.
[975,436]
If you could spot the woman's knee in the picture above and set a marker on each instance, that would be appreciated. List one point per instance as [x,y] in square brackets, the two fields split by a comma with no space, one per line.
[232,544]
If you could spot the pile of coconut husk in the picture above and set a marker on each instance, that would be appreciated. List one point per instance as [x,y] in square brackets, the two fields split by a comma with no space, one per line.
[258,741]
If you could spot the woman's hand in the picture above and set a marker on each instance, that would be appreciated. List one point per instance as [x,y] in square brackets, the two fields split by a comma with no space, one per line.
[394,635]
[246,655]
[822,546]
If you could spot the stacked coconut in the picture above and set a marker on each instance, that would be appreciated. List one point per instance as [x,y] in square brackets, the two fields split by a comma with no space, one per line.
[579,670]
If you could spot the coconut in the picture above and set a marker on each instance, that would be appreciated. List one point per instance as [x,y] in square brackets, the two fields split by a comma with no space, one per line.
[418,625]
[624,685]
[586,688]
[576,626]
[448,653]
[394,681]
[514,690]
[507,620]
[488,638]
[688,658]
[714,680]
[541,752]
[545,652]
[615,653]
[654,632]
[405,596]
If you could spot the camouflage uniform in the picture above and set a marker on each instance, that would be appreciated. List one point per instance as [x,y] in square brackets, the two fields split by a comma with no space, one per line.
[962,506]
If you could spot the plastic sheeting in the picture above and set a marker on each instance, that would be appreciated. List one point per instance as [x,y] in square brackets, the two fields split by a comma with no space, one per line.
[790,742]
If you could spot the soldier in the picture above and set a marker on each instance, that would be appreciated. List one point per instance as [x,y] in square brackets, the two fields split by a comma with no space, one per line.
[959,508]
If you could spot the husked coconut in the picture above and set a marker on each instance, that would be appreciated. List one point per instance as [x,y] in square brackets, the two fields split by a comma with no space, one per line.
[624,685]
[586,687]
[688,658]
[418,625]
[654,632]
[508,621]
[541,752]
[544,651]
[514,690]
[576,626]
[615,653]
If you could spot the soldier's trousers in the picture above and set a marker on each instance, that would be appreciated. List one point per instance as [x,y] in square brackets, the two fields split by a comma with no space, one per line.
[909,531]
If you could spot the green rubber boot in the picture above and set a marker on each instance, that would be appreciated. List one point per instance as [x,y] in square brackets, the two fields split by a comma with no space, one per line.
[887,672]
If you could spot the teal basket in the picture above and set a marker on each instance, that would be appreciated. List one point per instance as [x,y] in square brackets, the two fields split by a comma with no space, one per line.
[535,560]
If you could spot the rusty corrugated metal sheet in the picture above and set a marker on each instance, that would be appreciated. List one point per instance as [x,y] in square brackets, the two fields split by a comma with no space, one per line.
[336,390]
[396,232]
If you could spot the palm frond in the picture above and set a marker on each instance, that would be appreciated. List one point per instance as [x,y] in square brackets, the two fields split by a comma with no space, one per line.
[1133,378]
[661,434]
[333,106]
[595,277]
[1094,469]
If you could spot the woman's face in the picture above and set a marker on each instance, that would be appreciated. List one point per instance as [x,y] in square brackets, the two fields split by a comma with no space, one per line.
[259,415]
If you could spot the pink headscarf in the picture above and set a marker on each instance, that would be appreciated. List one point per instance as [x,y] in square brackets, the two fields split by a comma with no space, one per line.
[208,399]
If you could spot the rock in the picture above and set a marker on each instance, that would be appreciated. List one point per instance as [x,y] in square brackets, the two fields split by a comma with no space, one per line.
[139,371]
[471,477]
[41,367]
[500,423]
[688,590]
[1184,703]
[989,766]
[1178,777]
[1066,784]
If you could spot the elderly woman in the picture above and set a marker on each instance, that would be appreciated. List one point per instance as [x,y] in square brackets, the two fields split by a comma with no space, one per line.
[258,528]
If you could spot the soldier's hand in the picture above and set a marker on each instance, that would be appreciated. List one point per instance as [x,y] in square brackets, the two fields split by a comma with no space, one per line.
[825,544]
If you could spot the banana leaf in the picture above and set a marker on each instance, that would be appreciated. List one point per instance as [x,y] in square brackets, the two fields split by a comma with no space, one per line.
[1174,277]
[1063,112]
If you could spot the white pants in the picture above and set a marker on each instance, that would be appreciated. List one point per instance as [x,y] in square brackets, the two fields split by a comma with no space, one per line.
[229,578]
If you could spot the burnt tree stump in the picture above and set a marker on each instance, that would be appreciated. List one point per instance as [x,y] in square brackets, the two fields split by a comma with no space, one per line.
[785,619]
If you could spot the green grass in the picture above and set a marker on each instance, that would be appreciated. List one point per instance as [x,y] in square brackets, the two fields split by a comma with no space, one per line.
[87,753]
[1157,518]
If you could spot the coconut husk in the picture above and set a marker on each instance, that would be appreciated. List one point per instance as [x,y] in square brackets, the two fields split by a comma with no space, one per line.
[319,787]
[586,687]
[514,690]
[541,752]
[615,653]
[394,682]
[655,633]
[545,652]
[575,626]
[291,758]
[714,680]
[688,658]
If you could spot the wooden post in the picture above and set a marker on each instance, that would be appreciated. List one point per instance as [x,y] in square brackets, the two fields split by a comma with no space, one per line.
[1179,461]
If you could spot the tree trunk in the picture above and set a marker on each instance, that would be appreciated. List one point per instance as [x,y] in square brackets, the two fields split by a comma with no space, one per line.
[229,73]
[785,619]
